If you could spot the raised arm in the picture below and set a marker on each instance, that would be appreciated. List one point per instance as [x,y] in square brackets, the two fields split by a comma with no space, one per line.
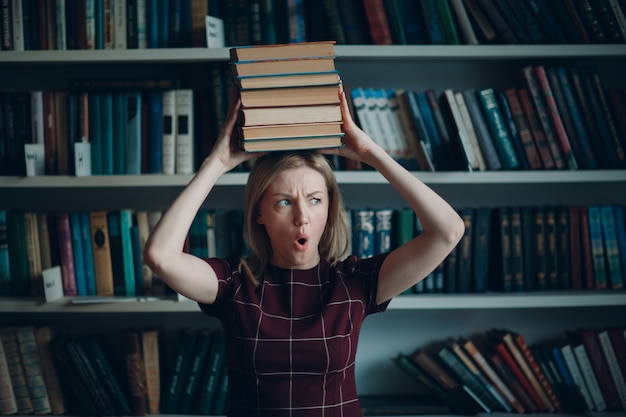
[443,228]
[163,253]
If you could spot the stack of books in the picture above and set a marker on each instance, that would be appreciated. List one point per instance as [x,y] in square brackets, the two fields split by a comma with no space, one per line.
[289,96]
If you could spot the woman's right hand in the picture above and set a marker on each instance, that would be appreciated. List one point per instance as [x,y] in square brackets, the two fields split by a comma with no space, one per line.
[226,149]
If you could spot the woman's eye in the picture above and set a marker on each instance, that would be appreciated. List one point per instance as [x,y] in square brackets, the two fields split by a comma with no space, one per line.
[315,201]
[282,203]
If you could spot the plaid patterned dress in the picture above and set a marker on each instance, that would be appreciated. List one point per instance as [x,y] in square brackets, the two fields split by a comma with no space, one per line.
[292,340]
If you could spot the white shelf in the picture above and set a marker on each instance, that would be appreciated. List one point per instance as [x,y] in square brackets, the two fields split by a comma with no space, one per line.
[344,177]
[523,300]
[344,52]
[487,301]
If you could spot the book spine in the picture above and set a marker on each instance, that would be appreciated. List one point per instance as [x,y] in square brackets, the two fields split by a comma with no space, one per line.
[32,370]
[363,233]
[532,155]
[67,254]
[609,231]
[8,403]
[185,143]
[499,132]
[77,253]
[567,352]
[136,373]
[150,350]
[16,369]
[540,109]
[31,237]
[597,247]
[101,253]
[555,116]
[378,23]
[168,147]
[126,223]
[44,335]
[539,374]
[613,366]
[590,378]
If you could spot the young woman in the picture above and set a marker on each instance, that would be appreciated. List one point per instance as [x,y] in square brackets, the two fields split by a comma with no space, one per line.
[292,309]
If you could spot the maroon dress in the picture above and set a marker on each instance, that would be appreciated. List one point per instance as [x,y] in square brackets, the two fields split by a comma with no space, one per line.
[291,341]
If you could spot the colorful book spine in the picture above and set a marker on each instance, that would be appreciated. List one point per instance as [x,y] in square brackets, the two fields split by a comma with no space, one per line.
[495,121]
[32,369]
[363,225]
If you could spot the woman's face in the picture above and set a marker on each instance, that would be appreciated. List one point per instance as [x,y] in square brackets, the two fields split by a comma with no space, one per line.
[294,211]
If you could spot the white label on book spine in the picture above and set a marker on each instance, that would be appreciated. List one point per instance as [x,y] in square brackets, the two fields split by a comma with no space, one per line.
[34,154]
[82,159]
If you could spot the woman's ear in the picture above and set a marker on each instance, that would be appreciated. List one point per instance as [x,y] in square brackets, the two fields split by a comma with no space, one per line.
[259,218]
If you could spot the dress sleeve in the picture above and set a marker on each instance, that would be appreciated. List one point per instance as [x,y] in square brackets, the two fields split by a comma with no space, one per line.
[226,270]
[367,272]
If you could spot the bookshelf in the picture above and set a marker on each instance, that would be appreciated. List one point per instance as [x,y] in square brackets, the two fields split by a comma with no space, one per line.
[411,321]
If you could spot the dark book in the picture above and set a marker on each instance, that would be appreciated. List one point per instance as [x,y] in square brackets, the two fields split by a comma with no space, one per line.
[561,13]
[532,24]
[611,136]
[411,19]
[588,277]
[561,102]
[547,21]
[465,253]
[434,25]
[586,113]
[551,247]
[500,25]
[448,22]
[574,241]
[485,30]
[598,250]
[611,25]
[212,368]
[481,249]
[517,250]
[612,250]
[424,114]
[81,401]
[483,134]
[564,252]
[555,116]
[590,20]
[620,231]
[200,350]
[502,273]
[378,22]
[524,134]
[514,133]
[499,131]
[352,21]
[534,125]
[617,102]
[528,247]
[512,18]
[541,249]
[534,87]
[179,371]
[103,368]
[454,160]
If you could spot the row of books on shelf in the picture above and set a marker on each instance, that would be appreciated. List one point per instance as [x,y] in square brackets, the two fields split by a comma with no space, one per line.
[504,249]
[472,22]
[117,24]
[559,117]
[555,117]
[129,131]
[498,370]
[511,249]
[46,371]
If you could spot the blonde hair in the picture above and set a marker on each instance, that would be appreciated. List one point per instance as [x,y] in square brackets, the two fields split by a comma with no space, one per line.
[334,243]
